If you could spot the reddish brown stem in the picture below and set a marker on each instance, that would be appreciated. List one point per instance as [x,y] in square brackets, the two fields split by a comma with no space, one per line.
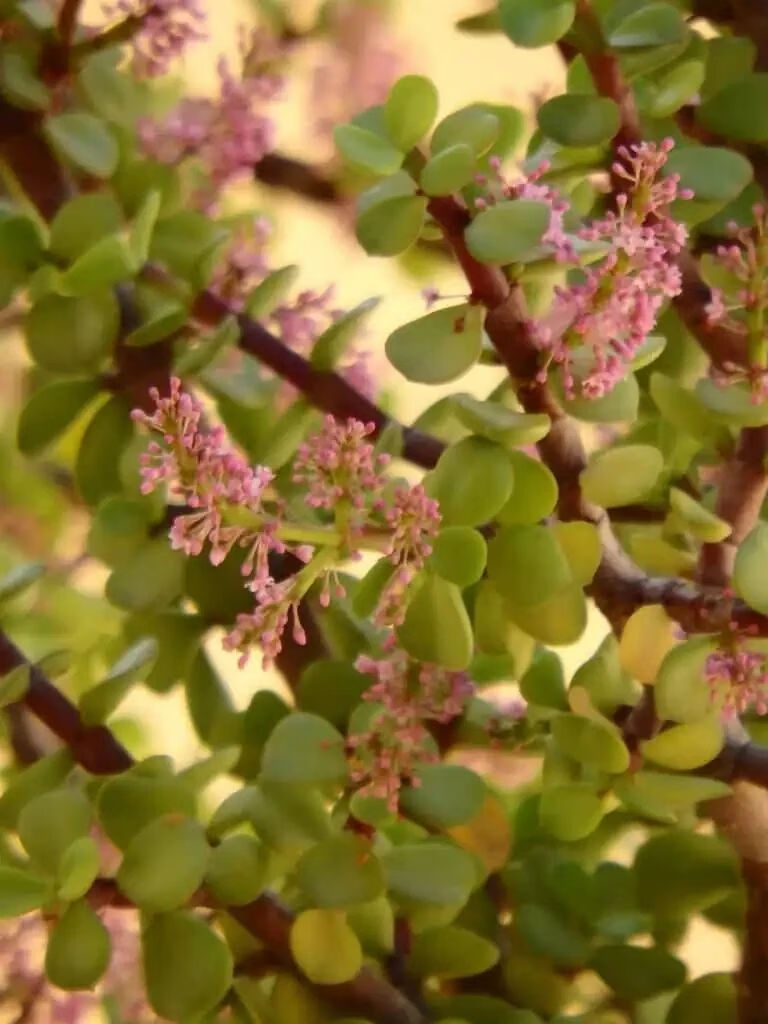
[325,389]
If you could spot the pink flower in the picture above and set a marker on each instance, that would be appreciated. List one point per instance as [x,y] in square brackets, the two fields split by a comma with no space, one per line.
[738,678]
[341,470]
[389,754]
[229,135]
[243,264]
[597,325]
[164,28]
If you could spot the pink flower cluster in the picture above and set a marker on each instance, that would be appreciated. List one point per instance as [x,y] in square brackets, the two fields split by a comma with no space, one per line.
[744,300]
[597,324]
[738,677]
[389,753]
[229,504]
[164,28]
[228,135]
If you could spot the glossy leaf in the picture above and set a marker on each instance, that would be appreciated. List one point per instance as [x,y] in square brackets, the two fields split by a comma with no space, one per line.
[187,967]
[304,749]
[710,999]
[366,150]
[527,565]
[78,868]
[739,111]
[620,476]
[150,580]
[340,872]
[164,864]
[533,23]
[325,948]
[50,410]
[71,335]
[50,823]
[534,495]
[636,972]
[498,423]
[681,872]
[85,141]
[78,949]
[472,126]
[507,232]
[436,628]
[21,891]
[409,111]
[459,554]
[595,742]
[685,747]
[431,872]
[445,795]
[450,952]
[391,226]
[439,347]
[653,24]
[449,170]
[579,120]
[570,812]
[750,572]
[472,481]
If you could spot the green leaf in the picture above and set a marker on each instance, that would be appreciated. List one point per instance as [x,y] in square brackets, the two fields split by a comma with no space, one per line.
[443,795]
[448,170]
[560,619]
[85,141]
[618,406]
[676,88]
[340,872]
[487,21]
[681,692]
[19,579]
[636,972]
[508,232]
[534,495]
[750,578]
[570,812]
[696,519]
[729,59]
[663,796]
[80,223]
[410,110]
[622,475]
[739,111]
[304,749]
[108,262]
[150,580]
[544,682]
[78,949]
[143,227]
[72,335]
[472,481]
[716,176]
[498,423]
[450,952]
[186,242]
[21,892]
[732,404]
[591,741]
[439,347]
[581,545]
[50,823]
[161,316]
[533,23]
[431,872]
[118,529]
[681,873]
[547,934]
[688,746]
[78,868]
[187,967]
[164,863]
[14,685]
[20,83]
[237,870]
[325,947]
[495,633]
[473,126]
[436,627]
[50,410]
[366,151]
[333,342]
[331,689]
[110,92]
[98,703]
[43,775]
[269,293]
[129,802]
[653,24]
[105,438]
[391,226]
[710,999]
[579,120]
[459,554]
[527,565]
[680,407]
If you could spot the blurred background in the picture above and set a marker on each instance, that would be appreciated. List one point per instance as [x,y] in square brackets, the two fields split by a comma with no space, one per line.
[331,80]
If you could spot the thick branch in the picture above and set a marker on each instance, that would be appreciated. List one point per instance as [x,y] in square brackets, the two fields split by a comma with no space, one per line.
[326,390]
[289,175]
[94,747]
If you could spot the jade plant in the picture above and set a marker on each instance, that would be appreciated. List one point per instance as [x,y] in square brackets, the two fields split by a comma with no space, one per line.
[196,454]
